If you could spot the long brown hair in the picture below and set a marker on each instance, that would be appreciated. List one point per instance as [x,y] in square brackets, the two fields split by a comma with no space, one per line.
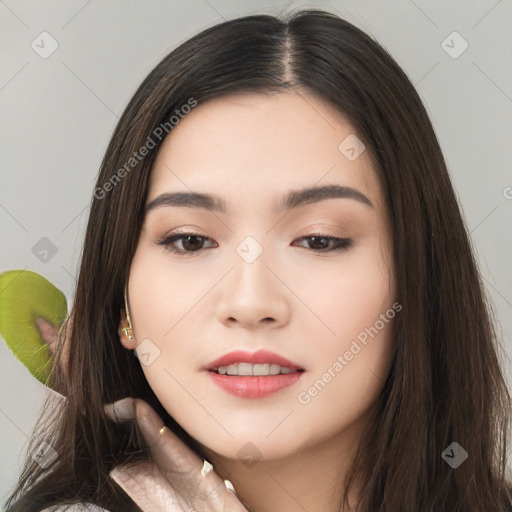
[445,385]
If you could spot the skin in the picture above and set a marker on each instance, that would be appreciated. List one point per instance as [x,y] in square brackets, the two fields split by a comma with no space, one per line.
[48,332]
[251,150]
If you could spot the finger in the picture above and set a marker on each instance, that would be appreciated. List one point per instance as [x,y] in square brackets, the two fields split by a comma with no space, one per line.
[166,447]
[150,491]
[48,333]
[169,451]
[122,410]
[180,475]
[183,468]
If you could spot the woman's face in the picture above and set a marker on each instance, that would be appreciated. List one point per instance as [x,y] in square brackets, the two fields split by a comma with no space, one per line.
[251,279]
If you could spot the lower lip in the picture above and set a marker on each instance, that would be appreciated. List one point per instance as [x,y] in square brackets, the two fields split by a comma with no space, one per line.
[254,387]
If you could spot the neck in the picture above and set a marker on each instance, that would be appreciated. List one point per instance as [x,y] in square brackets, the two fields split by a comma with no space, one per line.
[310,479]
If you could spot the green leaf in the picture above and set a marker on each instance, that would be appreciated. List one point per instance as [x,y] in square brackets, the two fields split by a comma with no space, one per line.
[25,297]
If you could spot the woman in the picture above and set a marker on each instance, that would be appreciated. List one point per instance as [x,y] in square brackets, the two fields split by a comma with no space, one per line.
[275,221]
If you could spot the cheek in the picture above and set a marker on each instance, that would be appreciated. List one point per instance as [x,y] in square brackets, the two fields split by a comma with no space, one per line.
[353,339]
[169,323]
[346,296]
[162,293]
[346,379]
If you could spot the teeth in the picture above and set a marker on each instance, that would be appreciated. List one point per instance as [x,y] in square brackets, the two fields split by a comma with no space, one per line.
[253,369]
[275,369]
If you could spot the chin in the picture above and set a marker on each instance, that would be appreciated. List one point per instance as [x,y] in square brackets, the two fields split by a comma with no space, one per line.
[250,448]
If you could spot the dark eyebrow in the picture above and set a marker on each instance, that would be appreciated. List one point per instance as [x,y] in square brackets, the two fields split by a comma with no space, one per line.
[305,196]
[294,199]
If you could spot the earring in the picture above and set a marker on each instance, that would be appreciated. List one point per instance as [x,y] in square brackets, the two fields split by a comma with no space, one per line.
[127,331]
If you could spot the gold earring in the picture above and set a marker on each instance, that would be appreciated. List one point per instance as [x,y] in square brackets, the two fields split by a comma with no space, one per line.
[127,331]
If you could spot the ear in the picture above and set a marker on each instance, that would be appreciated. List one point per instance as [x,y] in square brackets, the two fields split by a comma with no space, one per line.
[127,343]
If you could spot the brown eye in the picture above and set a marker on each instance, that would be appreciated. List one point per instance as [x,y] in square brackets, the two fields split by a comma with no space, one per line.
[324,243]
[191,242]
[194,242]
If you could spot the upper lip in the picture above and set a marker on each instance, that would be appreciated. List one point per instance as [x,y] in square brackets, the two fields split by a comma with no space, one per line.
[261,356]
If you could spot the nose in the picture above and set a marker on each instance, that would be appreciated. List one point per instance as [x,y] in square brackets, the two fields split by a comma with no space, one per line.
[253,297]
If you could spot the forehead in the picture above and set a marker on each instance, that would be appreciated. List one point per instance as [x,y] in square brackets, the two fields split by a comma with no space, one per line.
[254,147]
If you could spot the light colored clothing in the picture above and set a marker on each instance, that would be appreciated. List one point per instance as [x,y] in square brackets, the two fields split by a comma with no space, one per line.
[77,507]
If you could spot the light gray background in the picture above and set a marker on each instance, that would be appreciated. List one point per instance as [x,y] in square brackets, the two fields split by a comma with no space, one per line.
[58,114]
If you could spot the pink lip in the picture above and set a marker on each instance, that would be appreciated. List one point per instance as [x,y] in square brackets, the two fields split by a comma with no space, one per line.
[261,356]
[253,386]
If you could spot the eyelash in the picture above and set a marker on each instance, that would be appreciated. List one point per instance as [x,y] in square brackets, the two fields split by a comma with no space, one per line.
[342,244]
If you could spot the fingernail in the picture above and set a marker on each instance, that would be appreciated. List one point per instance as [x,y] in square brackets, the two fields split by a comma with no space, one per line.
[229,485]
[122,410]
[117,476]
[207,467]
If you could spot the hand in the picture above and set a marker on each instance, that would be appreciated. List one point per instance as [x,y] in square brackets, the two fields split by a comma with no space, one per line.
[178,482]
